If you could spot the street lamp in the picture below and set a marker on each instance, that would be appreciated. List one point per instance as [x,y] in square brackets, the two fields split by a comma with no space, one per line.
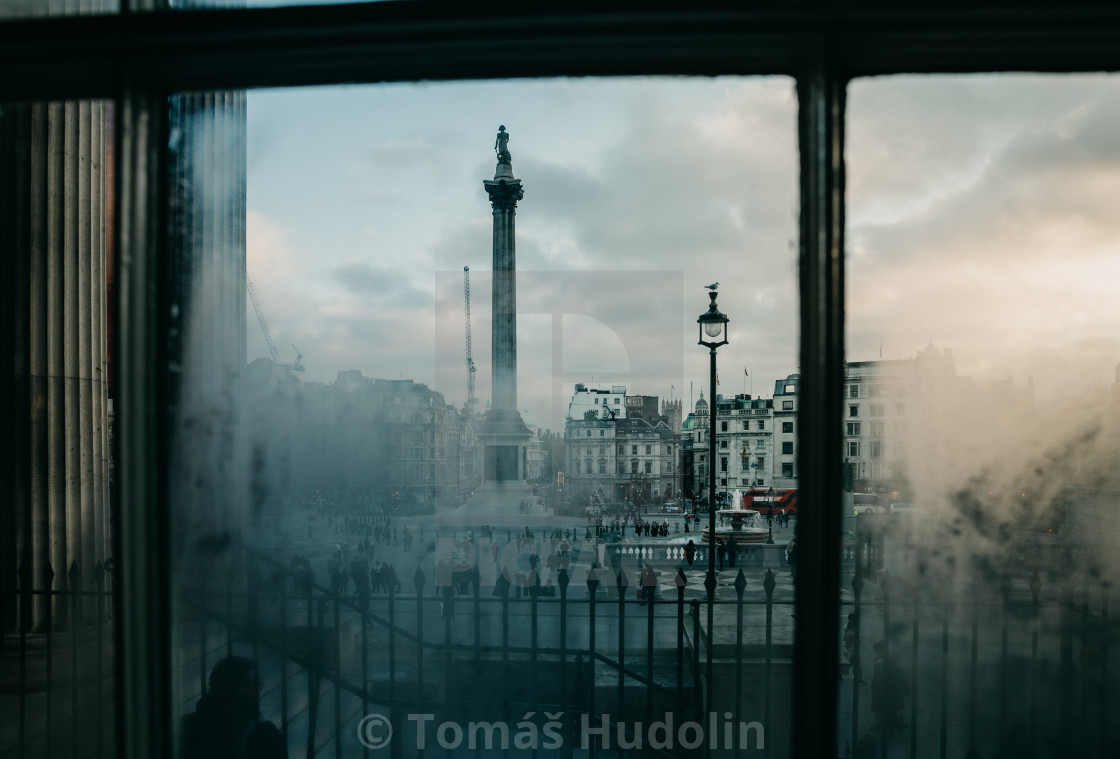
[713,334]
[770,518]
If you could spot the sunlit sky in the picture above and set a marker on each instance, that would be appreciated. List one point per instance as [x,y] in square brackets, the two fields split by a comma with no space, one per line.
[981,218]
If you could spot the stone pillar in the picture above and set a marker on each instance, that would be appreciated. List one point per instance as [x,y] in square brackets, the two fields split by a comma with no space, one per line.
[207,165]
[503,434]
[55,225]
[504,192]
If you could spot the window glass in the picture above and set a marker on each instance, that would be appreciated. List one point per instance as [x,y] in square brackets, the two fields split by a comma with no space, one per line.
[984,544]
[372,453]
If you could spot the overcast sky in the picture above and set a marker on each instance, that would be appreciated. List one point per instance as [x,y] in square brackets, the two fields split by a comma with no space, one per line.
[981,218]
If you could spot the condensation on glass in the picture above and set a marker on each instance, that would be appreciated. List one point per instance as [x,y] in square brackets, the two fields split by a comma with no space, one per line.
[336,254]
[981,417]
[56,559]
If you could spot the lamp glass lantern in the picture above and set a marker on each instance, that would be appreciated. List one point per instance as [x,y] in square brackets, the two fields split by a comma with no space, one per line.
[713,325]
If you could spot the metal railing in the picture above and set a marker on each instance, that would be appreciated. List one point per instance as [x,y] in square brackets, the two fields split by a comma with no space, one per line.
[56,676]
[1002,663]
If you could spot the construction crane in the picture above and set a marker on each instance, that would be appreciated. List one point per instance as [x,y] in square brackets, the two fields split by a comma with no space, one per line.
[253,296]
[470,361]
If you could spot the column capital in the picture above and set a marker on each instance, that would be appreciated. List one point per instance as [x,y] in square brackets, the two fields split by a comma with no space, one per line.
[504,193]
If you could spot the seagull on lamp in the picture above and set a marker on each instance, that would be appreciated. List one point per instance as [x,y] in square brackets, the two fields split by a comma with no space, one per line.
[712,286]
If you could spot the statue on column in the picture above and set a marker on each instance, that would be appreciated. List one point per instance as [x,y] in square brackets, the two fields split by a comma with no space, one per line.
[501,144]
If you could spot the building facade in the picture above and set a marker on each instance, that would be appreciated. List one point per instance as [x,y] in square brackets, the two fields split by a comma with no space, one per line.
[904,421]
[396,441]
[620,446]
[606,404]
[744,442]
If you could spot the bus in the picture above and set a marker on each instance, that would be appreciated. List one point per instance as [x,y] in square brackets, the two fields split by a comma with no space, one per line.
[775,501]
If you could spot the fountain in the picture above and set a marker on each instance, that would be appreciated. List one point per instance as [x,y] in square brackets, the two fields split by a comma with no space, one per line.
[746,524]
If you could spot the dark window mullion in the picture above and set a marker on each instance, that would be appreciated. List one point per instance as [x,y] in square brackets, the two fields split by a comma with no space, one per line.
[142,632]
[821,95]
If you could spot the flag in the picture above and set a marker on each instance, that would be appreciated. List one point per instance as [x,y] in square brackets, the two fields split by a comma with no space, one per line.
[717,379]
[745,373]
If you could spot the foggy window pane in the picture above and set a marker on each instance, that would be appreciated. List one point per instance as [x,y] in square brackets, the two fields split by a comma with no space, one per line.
[982,319]
[384,430]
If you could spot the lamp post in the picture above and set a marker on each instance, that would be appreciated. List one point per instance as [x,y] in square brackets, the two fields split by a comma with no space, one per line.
[713,334]
[770,519]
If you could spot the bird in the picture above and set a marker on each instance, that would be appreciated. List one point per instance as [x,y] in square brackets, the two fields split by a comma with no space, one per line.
[712,286]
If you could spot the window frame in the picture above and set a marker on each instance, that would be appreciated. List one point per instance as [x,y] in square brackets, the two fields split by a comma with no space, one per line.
[138,57]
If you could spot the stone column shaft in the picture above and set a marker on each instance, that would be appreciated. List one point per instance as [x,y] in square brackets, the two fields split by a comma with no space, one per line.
[504,193]
[55,316]
[504,330]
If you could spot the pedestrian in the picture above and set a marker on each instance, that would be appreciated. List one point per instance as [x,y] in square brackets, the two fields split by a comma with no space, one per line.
[791,555]
[732,551]
[226,723]
[851,648]
[648,590]
[721,553]
[444,584]
[690,553]
[889,690]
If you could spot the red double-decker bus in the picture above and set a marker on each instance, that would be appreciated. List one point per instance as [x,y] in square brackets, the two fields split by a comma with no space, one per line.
[767,501]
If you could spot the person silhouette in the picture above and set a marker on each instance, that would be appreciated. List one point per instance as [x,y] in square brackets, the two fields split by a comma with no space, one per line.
[226,723]
[889,689]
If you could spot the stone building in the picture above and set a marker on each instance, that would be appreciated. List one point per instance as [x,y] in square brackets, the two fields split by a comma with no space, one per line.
[607,404]
[694,451]
[745,437]
[396,441]
[904,420]
[754,443]
[620,445]
[672,411]
[782,471]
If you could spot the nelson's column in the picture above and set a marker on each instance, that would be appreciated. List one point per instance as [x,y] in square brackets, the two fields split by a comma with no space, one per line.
[504,437]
